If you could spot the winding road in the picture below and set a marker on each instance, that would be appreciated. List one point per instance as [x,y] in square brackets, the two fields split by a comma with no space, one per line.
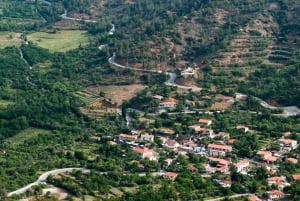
[169,82]
[43,178]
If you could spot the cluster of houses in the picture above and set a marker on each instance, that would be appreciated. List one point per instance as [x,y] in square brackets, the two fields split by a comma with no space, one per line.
[217,154]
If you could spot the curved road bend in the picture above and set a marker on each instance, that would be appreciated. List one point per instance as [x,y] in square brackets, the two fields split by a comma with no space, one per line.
[170,82]
[43,179]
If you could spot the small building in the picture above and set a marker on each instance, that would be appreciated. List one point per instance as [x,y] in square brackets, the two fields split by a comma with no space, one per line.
[292,160]
[147,137]
[275,195]
[222,136]
[205,122]
[171,144]
[280,182]
[169,103]
[242,166]
[158,97]
[188,71]
[127,137]
[253,198]
[145,153]
[170,175]
[226,183]
[242,128]
[167,162]
[287,143]
[296,177]
[222,165]
[218,150]
[263,154]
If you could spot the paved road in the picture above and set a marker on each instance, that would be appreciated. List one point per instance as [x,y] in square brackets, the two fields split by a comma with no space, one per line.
[43,179]
[287,111]
[170,82]
[64,16]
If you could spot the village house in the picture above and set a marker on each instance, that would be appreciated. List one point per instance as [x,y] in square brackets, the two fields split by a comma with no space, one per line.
[275,195]
[188,145]
[147,137]
[127,137]
[280,182]
[205,122]
[170,175]
[171,144]
[146,153]
[267,156]
[287,143]
[226,183]
[222,136]
[296,177]
[158,97]
[167,162]
[253,198]
[218,150]
[292,160]
[221,165]
[188,71]
[242,166]
[169,103]
[242,128]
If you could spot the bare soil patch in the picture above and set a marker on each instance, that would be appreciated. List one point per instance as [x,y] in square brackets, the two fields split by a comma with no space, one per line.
[117,93]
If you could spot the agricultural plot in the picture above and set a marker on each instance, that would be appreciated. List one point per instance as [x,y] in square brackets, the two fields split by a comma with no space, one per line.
[26,134]
[8,39]
[61,41]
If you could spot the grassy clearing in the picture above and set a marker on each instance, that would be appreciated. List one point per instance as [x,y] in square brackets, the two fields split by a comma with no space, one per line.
[61,41]
[5,103]
[26,134]
[10,39]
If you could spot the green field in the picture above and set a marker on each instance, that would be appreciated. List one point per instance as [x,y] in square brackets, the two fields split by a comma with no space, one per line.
[10,39]
[61,41]
[25,135]
[4,103]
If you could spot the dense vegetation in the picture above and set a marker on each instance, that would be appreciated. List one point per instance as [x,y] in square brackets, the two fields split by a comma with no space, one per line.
[43,128]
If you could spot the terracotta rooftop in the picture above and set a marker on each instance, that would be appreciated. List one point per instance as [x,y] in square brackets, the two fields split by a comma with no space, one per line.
[270,158]
[204,121]
[275,192]
[243,162]
[286,141]
[262,152]
[218,146]
[140,150]
[292,160]
[171,174]
[296,176]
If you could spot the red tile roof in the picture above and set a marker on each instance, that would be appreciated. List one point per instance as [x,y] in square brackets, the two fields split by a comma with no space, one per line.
[140,150]
[170,174]
[275,192]
[286,141]
[296,176]
[218,146]
[292,160]
[204,121]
